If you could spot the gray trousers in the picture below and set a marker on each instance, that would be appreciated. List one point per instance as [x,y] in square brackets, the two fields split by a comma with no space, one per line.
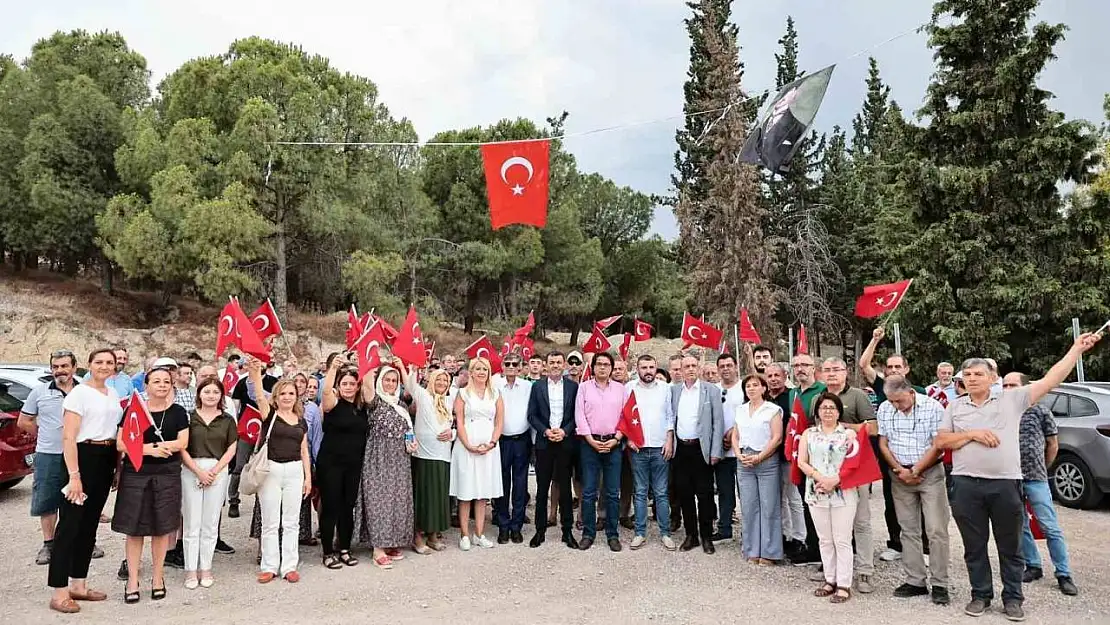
[930,497]
[864,559]
[761,501]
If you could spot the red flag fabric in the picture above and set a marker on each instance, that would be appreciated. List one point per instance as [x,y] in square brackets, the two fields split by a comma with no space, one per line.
[625,345]
[429,349]
[230,379]
[641,330]
[389,332]
[798,423]
[527,328]
[700,333]
[236,329]
[354,326]
[265,321]
[516,182]
[483,348]
[527,347]
[860,467]
[1034,524]
[587,371]
[879,299]
[603,324]
[748,333]
[803,343]
[409,346]
[597,342]
[250,425]
[942,398]
[629,424]
[368,347]
[506,347]
[136,420]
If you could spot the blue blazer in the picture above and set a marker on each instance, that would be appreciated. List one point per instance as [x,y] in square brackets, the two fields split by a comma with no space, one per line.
[539,410]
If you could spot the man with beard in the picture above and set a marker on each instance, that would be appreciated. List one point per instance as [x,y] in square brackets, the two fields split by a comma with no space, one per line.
[724,473]
[761,358]
[649,463]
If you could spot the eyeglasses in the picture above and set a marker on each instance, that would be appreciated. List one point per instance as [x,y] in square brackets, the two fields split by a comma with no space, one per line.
[836,370]
[803,365]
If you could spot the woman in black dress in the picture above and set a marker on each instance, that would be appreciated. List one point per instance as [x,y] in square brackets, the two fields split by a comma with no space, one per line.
[149,500]
[339,462]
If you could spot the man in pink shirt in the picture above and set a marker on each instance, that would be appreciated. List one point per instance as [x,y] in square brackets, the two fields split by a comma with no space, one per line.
[597,410]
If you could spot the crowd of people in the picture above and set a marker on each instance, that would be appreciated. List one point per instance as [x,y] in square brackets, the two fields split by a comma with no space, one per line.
[394,458]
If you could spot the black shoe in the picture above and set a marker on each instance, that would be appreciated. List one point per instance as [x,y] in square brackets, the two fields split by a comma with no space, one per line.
[537,540]
[1067,586]
[718,537]
[940,595]
[905,591]
[586,543]
[570,541]
[689,543]
[675,525]
[707,546]
[502,537]
[224,548]
[614,544]
[1032,574]
[233,511]
[121,574]
[1013,611]
[175,559]
[516,537]
[804,558]
[977,607]
[626,523]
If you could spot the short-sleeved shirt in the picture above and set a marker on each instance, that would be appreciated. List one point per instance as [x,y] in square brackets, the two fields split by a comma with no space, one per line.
[242,395]
[909,436]
[732,398]
[100,412]
[211,440]
[44,402]
[1000,413]
[165,426]
[1037,424]
[857,406]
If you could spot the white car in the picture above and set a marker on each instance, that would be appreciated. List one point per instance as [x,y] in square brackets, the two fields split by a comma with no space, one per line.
[20,379]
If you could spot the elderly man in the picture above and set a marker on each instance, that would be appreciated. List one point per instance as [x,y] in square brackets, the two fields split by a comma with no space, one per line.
[699,428]
[944,385]
[1038,450]
[908,423]
[983,431]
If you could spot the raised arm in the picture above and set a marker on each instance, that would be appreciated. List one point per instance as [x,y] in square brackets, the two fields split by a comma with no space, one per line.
[868,355]
[1062,369]
[254,371]
[331,396]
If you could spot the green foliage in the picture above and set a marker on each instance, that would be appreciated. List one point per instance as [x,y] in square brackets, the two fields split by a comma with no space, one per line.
[371,279]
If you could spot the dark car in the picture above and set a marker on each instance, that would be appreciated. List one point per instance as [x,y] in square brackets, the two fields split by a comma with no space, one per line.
[1080,476]
[17,448]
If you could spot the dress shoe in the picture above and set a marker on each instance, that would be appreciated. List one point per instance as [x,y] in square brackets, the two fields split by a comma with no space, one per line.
[502,537]
[1067,586]
[675,525]
[689,543]
[233,511]
[1032,574]
[718,537]
[516,537]
[627,523]
[585,543]
[537,540]
[614,544]
[707,546]
[569,540]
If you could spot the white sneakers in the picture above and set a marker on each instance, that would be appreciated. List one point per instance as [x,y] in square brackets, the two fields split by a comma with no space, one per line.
[464,543]
[480,540]
[191,583]
[485,543]
[668,543]
[890,555]
[638,541]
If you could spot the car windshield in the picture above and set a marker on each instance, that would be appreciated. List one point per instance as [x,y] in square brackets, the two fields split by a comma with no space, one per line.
[8,403]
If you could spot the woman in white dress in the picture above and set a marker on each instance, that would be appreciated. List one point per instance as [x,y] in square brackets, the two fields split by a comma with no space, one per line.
[476,459]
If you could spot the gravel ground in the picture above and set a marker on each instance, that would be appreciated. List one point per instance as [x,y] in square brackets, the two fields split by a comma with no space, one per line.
[515,584]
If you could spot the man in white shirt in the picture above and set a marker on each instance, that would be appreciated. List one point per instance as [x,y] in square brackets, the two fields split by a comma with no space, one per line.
[516,448]
[725,471]
[650,462]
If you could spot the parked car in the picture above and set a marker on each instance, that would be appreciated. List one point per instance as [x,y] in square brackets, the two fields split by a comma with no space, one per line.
[1080,476]
[20,379]
[17,448]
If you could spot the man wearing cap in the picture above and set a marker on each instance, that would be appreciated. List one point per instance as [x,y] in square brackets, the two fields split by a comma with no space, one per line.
[574,366]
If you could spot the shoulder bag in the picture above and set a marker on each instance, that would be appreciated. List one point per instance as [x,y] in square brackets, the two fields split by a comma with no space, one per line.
[258,467]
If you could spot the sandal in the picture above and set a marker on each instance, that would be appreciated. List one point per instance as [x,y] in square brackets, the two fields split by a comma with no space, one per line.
[346,558]
[422,549]
[841,598]
[825,590]
[69,606]
[384,563]
[157,594]
[332,562]
[88,595]
[395,554]
[266,578]
[131,597]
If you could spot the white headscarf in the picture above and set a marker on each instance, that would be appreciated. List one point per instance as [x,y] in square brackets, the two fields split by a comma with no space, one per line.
[393,399]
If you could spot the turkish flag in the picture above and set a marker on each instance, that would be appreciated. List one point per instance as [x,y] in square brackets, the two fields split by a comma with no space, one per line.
[629,424]
[641,330]
[354,326]
[860,467]
[506,347]
[700,333]
[231,378]
[748,333]
[603,324]
[803,342]
[483,348]
[798,424]
[236,329]
[942,398]
[527,346]
[516,182]
[879,299]
[587,371]
[389,332]
[409,346]
[527,328]
[625,344]
[368,347]
[250,425]
[1034,524]
[265,321]
[136,420]
[429,349]
[597,342]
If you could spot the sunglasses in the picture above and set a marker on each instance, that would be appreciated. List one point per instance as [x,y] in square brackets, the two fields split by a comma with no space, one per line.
[511,364]
[574,361]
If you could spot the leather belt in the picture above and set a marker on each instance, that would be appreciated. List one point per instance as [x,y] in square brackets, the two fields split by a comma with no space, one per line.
[103,443]
[515,437]
[602,438]
[689,441]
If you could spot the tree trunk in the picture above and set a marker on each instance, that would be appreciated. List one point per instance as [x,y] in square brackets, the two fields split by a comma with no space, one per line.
[412,281]
[470,311]
[107,275]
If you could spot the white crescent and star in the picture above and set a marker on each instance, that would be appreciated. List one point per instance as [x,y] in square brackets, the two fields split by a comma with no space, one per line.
[416,340]
[640,331]
[230,324]
[690,333]
[265,323]
[513,162]
[853,449]
[882,301]
[255,421]
[478,353]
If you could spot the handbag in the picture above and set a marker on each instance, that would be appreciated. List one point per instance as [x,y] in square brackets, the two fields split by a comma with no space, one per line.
[258,467]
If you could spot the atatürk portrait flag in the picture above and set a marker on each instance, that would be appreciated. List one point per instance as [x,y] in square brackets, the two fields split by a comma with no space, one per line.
[785,122]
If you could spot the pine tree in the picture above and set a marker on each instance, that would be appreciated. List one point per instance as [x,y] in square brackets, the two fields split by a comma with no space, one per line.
[981,183]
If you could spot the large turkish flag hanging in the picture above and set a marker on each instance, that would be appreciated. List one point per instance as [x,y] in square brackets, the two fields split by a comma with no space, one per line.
[516,182]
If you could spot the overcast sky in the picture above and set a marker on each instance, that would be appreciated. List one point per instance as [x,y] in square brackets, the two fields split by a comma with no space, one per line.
[457,63]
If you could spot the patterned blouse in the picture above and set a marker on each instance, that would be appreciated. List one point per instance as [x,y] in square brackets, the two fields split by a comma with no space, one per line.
[826,454]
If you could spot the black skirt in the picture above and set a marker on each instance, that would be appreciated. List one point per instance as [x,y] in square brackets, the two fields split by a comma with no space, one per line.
[148,502]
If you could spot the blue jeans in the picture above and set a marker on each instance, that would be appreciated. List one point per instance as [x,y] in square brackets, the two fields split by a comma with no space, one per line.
[594,467]
[650,470]
[514,477]
[1040,498]
[761,501]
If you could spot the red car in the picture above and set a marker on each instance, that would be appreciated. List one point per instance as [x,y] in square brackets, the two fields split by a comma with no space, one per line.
[17,448]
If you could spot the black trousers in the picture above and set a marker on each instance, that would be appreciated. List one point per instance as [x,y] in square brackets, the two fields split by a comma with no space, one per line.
[979,506]
[76,534]
[553,461]
[694,487]
[338,481]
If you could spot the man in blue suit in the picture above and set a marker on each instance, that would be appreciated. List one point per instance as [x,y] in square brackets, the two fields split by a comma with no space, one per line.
[551,416]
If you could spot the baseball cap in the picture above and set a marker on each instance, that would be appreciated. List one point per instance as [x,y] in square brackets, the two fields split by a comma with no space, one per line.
[575,354]
[164,363]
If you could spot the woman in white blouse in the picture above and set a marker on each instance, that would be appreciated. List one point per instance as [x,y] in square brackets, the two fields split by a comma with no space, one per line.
[431,463]
[756,439]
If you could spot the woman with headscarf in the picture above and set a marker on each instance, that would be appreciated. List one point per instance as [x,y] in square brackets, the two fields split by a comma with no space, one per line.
[476,460]
[340,462]
[431,463]
[383,509]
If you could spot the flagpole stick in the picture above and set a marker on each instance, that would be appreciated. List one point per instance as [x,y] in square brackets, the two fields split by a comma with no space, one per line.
[1080,374]
[736,339]
[897,339]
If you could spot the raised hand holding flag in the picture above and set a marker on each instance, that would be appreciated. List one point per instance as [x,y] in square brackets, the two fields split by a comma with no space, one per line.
[879,299]
[136,421]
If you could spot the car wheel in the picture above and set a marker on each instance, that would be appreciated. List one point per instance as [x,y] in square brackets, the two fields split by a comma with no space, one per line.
[1072,483]
[6,485]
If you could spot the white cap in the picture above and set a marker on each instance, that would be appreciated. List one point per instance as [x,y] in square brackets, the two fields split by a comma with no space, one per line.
[576,354]
[163,363]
